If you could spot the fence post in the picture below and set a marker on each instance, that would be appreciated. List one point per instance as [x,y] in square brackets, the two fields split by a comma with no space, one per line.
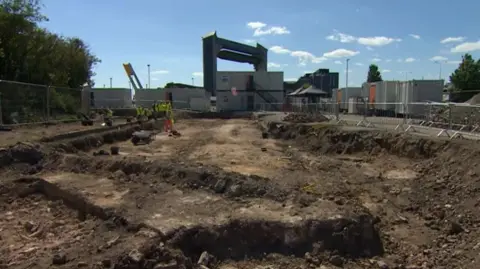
[1,115]
[48,103]
[365,108]
[405,112]
[450,116]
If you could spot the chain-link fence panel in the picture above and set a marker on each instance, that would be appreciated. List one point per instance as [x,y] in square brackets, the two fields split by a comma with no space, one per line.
[64,103]
[22,102]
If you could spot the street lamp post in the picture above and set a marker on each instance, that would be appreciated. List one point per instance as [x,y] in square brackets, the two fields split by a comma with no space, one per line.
[346,79]
[111,82]
[148,67]
[193,81]
[440,67]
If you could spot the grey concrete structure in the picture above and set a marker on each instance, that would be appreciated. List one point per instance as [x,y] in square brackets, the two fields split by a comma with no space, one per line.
[110,97]
[215,47]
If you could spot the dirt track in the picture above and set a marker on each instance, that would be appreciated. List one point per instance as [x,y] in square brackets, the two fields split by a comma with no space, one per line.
[36,132]
[316,196]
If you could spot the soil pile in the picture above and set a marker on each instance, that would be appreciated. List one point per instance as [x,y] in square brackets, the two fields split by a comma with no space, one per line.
[441,200]
[332,139]
[305,117]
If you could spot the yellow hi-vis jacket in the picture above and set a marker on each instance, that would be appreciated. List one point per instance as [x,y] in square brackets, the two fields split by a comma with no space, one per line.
[162,107]
[140,111]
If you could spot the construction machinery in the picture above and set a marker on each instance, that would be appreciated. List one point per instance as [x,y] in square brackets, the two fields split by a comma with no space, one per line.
[143,136]
[132,76]
[86,121]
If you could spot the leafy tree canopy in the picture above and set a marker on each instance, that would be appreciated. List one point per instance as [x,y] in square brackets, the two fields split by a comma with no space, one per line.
[374,74]
[32,54]
[467,76]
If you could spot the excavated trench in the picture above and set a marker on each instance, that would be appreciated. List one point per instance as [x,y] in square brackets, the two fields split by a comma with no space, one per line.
[326,138]
[239,239]
[351,237]
[236,240]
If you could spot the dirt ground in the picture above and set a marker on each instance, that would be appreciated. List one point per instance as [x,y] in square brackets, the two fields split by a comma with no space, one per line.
[227,194]
[36,132]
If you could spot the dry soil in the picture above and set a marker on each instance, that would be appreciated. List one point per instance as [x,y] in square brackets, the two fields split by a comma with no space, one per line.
[227,193]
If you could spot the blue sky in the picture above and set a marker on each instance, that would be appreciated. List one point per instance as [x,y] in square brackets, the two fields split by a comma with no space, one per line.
[403,37]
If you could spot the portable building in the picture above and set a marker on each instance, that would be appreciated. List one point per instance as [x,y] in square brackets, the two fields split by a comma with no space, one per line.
[344,96]
[111,97]
[412,95]
[254,90]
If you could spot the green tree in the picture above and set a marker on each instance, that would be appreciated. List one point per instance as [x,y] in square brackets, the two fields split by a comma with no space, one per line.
[31,54]
[466,78]
[374,74]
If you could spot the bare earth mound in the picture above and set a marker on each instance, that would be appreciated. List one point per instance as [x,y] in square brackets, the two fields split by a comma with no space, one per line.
[305,117]
[224,195]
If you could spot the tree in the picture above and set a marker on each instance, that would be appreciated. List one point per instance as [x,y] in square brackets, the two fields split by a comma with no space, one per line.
[466,78]
[31,54]
[374,74]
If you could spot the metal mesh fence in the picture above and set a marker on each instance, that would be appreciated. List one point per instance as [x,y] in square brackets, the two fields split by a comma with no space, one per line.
[434,119]
[30,103]
[22,102]
[64,103]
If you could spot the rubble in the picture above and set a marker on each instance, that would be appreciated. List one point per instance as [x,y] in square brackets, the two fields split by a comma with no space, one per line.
[305,118]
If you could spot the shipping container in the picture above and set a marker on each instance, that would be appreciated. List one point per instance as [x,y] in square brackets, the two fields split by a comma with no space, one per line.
[411,95]
[111,97]
[353,105]
[385,95]
[343,96]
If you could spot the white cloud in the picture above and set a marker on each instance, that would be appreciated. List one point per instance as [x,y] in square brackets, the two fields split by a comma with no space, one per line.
[454,62]
[386,71]
[438,59]
[197,74]
[159,72]
[279,50]
[274,65]
[275,30]
[304,57]
[410,60]
[261,28]
[466,47]
[452,39]
[369,48]
[377,41]
[399,60]
[338,62]
[376,60]
[414,36]
[340,53]
[249,41]
[388,60]
[358,64]
[256,25]
[343,38]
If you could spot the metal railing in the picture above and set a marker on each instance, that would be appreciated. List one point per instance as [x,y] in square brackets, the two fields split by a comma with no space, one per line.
[33,103]
[452,120]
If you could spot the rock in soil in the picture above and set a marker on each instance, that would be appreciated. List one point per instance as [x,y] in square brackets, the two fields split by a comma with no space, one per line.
[59,259]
